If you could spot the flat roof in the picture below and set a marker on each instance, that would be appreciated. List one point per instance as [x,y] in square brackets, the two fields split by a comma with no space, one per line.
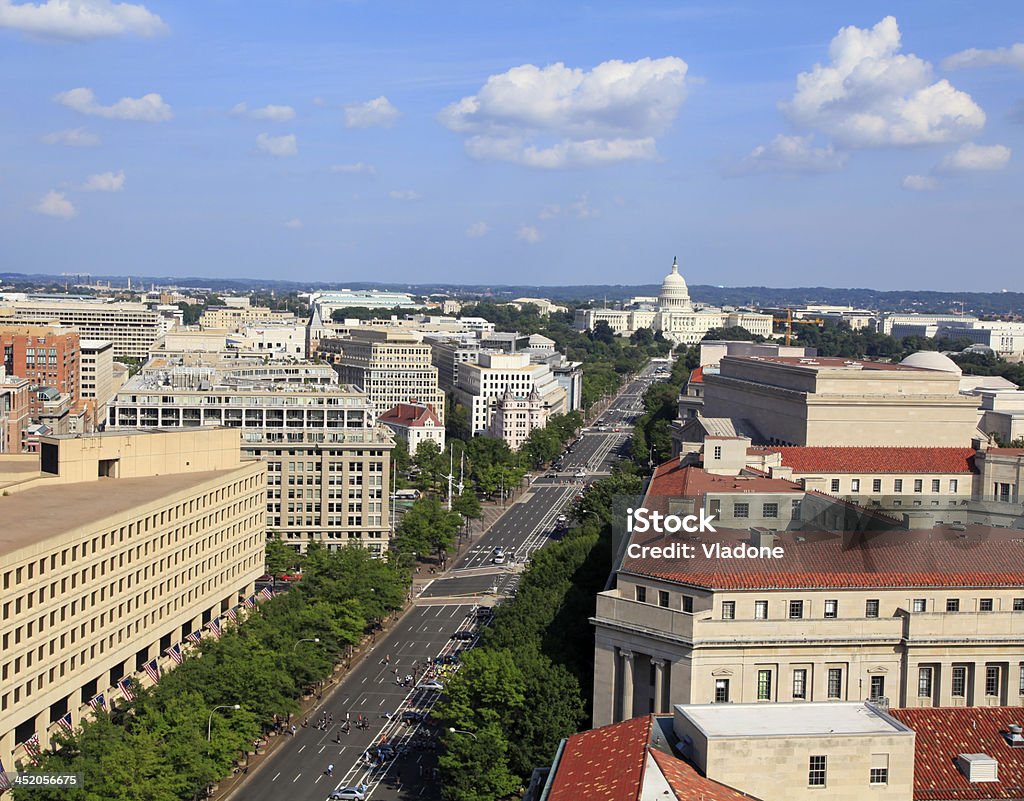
[46,511]
[789,720]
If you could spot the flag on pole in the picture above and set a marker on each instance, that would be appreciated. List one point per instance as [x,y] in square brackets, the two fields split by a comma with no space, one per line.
[174,652]
[5,783]
[99,702]
[250,602]
[65,722]
[32,747]
[125,686]
[214,627]
[267,593]
[195,637]
[153,670]
[232,614]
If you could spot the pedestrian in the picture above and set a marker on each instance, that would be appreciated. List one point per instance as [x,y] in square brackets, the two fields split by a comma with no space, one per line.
[305,722]
[387,659]
[293,730]
[330,770]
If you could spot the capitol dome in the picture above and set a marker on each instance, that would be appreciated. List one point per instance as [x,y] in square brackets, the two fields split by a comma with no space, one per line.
[932,360]
[674,292]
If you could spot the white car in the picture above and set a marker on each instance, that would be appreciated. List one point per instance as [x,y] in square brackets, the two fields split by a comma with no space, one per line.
[580,474]
[433,686]
[357,793]
[498,559]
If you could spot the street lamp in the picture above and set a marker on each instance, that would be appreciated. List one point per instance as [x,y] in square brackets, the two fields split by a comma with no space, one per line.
[463,731]
[305,639]
[209,723]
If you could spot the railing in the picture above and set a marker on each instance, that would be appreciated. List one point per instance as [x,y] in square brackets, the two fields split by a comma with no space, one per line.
[964,625]
[644,616]
[785,629]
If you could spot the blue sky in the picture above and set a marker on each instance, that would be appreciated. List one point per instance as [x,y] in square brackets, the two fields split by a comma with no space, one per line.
[526,142]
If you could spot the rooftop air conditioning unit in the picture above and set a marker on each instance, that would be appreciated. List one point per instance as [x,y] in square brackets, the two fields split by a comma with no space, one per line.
[1015,735]
[978,767]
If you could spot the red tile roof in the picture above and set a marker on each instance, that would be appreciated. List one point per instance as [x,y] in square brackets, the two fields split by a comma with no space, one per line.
[410,415]
[676,480]
[873,459]
[697,376]
[608,764]
[945,732]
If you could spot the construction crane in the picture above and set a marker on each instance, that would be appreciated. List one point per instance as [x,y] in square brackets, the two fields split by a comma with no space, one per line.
[788,320]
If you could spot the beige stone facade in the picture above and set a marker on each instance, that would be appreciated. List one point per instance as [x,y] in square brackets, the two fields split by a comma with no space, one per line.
[113,548]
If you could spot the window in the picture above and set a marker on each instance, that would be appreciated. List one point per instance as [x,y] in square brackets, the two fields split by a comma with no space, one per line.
[835,485]
[641,594]
[876,485]
[764,685]
[924,682]
[855,485]
[871,608]
[741,510]
[952,604]
[718,451]
[796,609]
[816,771]
[935,485]
[728,610]
[835,682]
[687,603]
[879,769]
[831,609]
[662,598]
[992,680]
[985,605]
[800,683]
[918,485]
[760,610]
[953,485]
[1018,604]
[897,485]
[1020,682]
[920,604]
[959,686]
[877,687]
[770,510]
[721,691]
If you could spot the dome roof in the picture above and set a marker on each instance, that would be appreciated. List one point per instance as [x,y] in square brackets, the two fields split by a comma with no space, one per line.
[674,288]
[932,360]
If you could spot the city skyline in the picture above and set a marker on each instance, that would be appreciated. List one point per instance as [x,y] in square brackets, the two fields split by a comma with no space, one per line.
[861,145]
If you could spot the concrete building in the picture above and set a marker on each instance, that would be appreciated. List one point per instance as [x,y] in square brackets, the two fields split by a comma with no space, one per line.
[544,306]
[479,386]
[328,462]
[233,318]
[113,548]
[852,606]
[97,370]
[447,354]
[132,327]
[516,416]
[328,302]
[391,366]
[1006,339]
[46,356]
[414,423]
[902,324]
[15,395]
[674,315]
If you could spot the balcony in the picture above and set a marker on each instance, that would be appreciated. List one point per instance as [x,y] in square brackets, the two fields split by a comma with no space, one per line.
[644,617]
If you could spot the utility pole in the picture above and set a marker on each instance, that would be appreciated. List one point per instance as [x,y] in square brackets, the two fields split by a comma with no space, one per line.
[451,475]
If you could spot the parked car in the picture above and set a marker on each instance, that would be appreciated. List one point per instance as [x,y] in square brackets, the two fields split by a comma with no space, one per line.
[431,686]
[465,634]
[357,793]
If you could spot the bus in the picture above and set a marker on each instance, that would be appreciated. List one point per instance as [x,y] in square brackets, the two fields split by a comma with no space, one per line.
[406,495]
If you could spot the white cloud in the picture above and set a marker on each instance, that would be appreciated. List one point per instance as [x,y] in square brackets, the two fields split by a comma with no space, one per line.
[528,233]
[376,113]
[148,108]
[73,137]
[791,154]
[404,194]
[871,95]
[556,116]
[277,145]
[80,19]
[920,183]
[477,229]
[970,157]
[271,113]
[359,168]
[104,182]
[55,204]
[579,208]
[294,223]
[1012,56]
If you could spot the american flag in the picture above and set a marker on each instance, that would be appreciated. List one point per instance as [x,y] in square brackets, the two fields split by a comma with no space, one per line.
[267,593]
[65,721]
[153,670]
[214,627]
[195,637]
[98,702]
[250,602]
[232,614]
[32,747]
[5,783]
[174,652]
[125,686]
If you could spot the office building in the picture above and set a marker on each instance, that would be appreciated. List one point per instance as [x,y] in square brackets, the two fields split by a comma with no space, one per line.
[97,371]
[15,396]
[517,416]
[447,354]
[46,356]
[479,386]
[114,547]
[232,318]
[328,462]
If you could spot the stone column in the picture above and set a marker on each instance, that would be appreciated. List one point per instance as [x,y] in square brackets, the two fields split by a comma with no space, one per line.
[627,684]
[659,684]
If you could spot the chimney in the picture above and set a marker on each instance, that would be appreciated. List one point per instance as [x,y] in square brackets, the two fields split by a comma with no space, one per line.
[1014,735]
[762,537]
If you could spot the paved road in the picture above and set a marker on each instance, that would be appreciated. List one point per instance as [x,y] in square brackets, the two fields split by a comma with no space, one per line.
[296,771]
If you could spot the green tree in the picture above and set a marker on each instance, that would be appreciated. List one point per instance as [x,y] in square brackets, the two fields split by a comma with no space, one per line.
[428,528]
[475,766]
[280,557]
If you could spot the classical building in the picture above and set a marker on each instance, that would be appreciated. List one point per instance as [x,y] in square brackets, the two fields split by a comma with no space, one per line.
[414,423]
[516,416]
[674,315]
[480,385]
[114,547]
[853,605]
[328,462]
[392,366]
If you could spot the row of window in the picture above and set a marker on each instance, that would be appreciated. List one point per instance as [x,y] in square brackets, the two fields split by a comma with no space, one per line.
[817,770]
[798,609]
[953,485]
